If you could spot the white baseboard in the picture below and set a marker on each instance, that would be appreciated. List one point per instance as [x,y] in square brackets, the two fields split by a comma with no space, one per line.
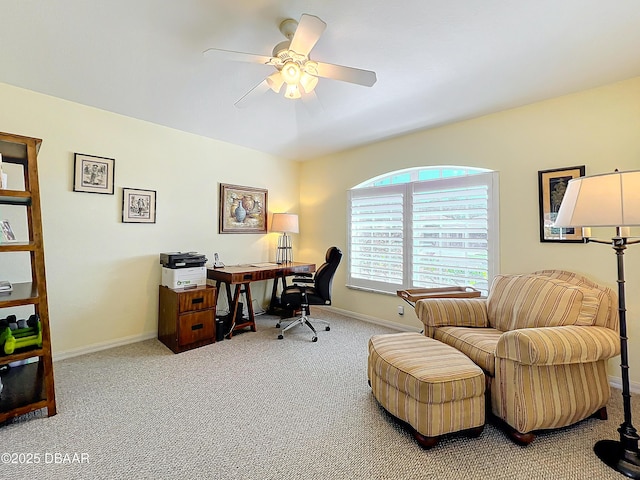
[377,321]
[615,382]
[96,347]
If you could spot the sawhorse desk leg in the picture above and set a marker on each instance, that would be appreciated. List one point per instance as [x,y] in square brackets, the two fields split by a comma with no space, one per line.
[241,288]
[275,308]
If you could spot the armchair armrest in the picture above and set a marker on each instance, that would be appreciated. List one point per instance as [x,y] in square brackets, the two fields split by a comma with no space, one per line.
[558,345]
[452,312]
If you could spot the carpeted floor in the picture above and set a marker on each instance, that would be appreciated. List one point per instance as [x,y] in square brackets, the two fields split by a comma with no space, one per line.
[255,407]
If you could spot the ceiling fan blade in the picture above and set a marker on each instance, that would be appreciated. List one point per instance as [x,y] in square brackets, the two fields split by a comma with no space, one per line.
[246,99]
[307,34]
[236,56]
[347,74]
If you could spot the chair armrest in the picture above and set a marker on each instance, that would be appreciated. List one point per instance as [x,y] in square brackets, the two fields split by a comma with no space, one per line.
[303,274]
[558,345]
[303,280]
[452,312]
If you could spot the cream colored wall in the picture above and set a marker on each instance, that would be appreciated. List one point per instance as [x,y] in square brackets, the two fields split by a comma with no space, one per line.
[599,128]
[103,275]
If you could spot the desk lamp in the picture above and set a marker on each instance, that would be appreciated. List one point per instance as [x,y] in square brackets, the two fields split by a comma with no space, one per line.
[610,200]
[284,223]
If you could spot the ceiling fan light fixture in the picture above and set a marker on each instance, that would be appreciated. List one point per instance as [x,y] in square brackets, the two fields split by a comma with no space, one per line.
[308,82]
[275,81]
[290,59]
[293,92]
[291,73]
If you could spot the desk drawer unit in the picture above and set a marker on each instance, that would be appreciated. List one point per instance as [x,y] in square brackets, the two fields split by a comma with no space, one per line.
[186,318]
[196,299]
[195,327]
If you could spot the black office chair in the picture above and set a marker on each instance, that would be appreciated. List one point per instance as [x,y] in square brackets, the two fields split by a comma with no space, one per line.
[311,290]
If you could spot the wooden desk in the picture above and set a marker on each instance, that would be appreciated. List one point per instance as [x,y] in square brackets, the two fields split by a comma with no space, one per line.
[242,275]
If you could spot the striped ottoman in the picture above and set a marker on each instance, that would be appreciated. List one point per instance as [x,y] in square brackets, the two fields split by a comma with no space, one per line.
[431,386]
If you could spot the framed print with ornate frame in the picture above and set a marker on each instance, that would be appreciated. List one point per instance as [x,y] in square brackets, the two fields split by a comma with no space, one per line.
[242,209]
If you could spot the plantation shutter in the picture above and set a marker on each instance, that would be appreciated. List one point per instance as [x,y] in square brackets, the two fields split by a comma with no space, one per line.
[377,238]
[451,232]
[432,233]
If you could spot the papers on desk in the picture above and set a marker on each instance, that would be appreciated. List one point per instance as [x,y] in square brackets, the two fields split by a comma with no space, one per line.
[264,264]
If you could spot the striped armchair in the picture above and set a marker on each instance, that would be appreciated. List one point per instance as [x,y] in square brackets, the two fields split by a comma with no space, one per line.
[542,339]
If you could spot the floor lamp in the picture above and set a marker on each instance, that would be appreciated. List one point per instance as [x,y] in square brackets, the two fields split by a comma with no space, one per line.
[284,223]
[610,200]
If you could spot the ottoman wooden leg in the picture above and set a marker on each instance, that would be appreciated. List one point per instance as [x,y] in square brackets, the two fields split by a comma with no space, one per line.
[475,432]
[424,441]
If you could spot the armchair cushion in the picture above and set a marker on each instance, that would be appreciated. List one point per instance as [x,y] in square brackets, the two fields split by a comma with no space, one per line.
[529,301]
[558,345]
[479,344]
[608,312]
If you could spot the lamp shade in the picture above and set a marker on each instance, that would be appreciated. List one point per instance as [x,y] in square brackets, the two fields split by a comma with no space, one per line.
[607,200]
[284,222]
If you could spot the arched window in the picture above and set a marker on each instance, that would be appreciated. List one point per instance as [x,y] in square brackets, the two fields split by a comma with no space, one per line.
[424,227]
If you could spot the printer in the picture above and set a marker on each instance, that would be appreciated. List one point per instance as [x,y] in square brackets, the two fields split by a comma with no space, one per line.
[183,270]
[182,260]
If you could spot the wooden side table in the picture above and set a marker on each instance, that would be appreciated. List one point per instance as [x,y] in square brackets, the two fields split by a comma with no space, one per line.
[187,317]
[411,296]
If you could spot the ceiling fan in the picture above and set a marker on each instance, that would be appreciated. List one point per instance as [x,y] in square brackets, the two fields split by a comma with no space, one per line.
[295,71]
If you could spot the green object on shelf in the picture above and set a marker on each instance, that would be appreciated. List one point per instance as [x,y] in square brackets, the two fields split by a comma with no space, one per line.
[5,333]
[21,338]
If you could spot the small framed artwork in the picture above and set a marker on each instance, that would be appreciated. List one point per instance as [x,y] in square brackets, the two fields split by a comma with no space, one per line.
[7,234]
[242,209]
[552,185]
[93,174]
[138,206]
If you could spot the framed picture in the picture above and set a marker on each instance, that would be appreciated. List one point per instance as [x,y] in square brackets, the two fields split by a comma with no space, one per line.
[242,209]
[7,234]
[93,174]
[552,184]
[138,206]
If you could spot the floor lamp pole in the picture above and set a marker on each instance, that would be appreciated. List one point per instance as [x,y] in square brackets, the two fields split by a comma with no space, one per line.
[622,455]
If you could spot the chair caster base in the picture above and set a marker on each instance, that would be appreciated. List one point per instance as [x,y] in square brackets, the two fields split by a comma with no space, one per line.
[280,337]
[314,339]
[328,328]
[277,325]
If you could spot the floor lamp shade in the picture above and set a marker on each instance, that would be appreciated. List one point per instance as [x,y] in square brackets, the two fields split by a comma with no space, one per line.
[285,223]
[610,200]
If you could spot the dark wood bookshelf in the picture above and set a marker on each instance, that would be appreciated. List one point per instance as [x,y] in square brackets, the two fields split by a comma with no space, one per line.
[28,380]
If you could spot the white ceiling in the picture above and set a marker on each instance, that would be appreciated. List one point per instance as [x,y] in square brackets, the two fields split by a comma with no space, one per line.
[437,61]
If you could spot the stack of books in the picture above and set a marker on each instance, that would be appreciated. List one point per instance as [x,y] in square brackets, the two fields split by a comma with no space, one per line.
[5,286]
